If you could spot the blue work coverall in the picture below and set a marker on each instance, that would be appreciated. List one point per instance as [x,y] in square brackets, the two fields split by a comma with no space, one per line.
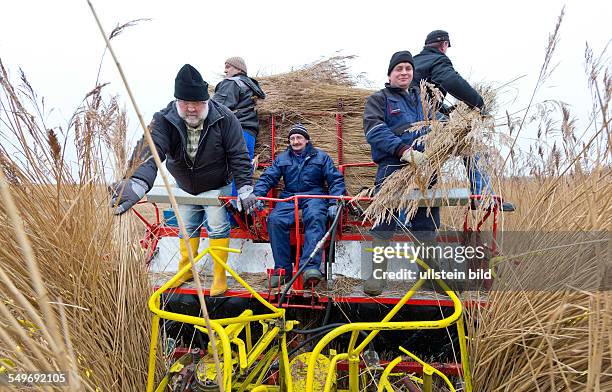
[304,174]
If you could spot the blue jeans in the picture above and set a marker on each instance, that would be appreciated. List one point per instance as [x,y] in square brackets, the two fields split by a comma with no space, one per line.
[250,143]
[214,218]
[480,183]
[280,222]
[423,222]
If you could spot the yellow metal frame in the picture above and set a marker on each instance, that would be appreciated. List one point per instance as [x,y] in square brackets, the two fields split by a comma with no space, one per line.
[386,324]
[274,324]
[226,330]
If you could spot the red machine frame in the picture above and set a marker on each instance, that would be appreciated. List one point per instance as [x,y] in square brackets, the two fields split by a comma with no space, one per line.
[156,230]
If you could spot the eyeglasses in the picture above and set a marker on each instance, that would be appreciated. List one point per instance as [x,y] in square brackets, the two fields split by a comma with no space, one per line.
[195,104]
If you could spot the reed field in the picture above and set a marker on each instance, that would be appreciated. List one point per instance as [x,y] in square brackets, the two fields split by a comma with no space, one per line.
[73,279]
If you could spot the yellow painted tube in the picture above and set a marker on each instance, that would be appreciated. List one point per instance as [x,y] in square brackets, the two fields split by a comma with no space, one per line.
[249,340]
[152,353]
[163,384]
[353,373]
[465,362]
[330,372]
[383,383]
[261,345]
[285,364]
[427,378]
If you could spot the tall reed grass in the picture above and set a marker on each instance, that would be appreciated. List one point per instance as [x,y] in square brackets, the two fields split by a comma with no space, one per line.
[73,284]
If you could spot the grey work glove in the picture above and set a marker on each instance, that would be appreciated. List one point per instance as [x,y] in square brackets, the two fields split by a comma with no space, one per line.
[332,211]
[246,199]
[413,157]
[126,193]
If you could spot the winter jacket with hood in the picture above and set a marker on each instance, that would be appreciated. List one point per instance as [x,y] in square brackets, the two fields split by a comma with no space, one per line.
[239,93]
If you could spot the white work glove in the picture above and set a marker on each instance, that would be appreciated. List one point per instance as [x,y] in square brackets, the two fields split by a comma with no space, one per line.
[246,199]
[131,191]
[413,157]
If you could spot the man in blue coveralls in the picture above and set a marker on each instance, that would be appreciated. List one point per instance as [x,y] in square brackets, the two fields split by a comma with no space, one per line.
[305,170]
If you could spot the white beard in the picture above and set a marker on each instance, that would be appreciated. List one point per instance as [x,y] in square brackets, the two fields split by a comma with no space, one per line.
[193,121]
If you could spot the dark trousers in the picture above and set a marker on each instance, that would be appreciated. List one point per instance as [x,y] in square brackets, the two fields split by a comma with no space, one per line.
[280,222]
[424,224]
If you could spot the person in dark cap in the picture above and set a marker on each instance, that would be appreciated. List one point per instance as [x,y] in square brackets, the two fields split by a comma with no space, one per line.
[434,66]
[305,170]
[204,150]
[387,118]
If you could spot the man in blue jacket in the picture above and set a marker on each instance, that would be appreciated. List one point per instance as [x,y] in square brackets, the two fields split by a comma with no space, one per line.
[388,115]
[434,66]
[305,170]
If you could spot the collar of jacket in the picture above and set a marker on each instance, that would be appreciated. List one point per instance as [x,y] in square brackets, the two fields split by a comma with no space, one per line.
[251,83]
[309,150]
[401,91]
[429,49]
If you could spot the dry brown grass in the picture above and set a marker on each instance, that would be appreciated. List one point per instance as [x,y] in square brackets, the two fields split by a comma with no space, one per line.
[313,95]
[90,268]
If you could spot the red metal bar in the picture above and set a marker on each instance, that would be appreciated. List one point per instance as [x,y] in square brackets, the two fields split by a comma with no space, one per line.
[342,167]
[450,369]
[298,284]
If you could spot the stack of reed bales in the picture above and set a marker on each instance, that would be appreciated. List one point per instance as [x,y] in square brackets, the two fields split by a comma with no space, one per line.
[314,95]
[73,281]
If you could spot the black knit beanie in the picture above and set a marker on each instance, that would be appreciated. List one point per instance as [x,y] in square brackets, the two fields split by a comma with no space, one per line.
[300,129]
[189,85]
[400,57]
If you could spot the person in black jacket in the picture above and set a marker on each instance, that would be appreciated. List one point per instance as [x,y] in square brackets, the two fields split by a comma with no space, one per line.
[239,92]
[434,66]
[204,149]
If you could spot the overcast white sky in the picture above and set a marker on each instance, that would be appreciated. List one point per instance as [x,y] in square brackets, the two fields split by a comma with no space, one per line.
[59,46]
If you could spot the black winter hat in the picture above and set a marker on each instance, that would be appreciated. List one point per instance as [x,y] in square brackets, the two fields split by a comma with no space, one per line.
[400,57]
[299,129]
[189,85]
[437,36]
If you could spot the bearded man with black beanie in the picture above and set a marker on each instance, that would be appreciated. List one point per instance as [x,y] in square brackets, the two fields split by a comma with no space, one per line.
[202,144]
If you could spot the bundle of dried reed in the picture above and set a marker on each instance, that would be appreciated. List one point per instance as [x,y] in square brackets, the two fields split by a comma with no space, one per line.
[313,95]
